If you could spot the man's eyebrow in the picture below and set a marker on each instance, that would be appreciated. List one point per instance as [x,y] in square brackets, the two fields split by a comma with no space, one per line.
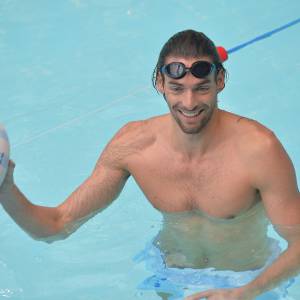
[175,83]
[205,81]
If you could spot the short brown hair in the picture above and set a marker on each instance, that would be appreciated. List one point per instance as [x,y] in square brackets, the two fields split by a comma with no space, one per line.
[188,43]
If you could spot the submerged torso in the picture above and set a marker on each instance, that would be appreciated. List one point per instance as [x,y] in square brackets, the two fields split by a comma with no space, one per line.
[193,239]
[213,215]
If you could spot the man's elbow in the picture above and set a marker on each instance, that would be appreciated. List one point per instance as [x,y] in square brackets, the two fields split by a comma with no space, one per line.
[59,230]
[49,239]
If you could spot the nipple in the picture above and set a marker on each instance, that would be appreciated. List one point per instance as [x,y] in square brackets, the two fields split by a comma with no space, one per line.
[205,260]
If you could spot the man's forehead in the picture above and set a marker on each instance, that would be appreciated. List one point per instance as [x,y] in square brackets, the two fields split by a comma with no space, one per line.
[187,61]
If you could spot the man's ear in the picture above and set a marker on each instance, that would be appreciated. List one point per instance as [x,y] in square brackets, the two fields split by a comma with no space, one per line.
[160,83]
[220,80]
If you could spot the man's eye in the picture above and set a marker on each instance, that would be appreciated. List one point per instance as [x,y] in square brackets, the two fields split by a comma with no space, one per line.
[202,88]
[176,88]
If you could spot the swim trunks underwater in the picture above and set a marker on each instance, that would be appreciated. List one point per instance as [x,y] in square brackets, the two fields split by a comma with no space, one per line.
[181,282]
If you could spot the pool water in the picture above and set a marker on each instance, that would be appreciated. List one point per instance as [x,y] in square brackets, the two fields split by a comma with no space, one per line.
[72,73]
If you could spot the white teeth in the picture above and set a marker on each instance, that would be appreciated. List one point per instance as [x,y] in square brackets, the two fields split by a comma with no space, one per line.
[190,114]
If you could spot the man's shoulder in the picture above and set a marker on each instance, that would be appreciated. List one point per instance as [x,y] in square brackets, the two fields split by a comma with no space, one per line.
[245,128]
[255,139]
[131,139]
[140,129]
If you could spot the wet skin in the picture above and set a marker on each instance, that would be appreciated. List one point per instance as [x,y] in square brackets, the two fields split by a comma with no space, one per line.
[214,176]
[213,217]
[191,164]
[195,240]
[193,171]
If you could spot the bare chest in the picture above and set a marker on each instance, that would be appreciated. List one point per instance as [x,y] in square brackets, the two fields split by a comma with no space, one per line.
[217,185]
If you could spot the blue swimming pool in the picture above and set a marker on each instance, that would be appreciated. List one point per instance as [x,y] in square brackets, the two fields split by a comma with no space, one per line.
[72,73]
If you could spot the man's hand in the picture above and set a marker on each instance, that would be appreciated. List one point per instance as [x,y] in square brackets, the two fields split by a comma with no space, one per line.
[222,294]
[8,182]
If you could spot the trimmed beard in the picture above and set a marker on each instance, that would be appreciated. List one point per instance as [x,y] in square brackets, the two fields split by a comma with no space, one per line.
[208,113]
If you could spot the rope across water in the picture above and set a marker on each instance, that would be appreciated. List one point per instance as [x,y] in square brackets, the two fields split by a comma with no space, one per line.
[223,53]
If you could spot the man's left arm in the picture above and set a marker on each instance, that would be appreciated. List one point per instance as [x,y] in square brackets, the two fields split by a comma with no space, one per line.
[273,174]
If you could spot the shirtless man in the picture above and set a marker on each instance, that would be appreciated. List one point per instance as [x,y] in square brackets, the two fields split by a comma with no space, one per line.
[214,176]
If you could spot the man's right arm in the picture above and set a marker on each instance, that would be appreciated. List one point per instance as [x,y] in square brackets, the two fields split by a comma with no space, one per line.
[93,195]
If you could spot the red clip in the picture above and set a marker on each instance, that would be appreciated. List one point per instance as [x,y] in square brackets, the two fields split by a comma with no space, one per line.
[222,53]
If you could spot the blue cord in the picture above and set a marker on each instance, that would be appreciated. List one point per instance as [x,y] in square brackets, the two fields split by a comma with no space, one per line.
[263,36]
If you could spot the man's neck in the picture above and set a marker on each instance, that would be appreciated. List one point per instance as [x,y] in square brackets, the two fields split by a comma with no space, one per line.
[195,145]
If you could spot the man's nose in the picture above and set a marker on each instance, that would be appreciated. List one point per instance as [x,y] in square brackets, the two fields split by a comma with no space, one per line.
[189,100]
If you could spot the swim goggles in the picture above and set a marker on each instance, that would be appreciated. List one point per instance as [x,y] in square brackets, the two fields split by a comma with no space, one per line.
[177,70]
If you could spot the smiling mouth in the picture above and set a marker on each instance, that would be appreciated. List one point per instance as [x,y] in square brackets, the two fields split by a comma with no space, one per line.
[191,114]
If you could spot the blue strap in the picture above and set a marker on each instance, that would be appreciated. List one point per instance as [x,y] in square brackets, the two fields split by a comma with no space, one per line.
[263,36]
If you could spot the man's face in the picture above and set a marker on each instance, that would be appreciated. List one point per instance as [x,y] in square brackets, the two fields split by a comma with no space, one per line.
[191,100]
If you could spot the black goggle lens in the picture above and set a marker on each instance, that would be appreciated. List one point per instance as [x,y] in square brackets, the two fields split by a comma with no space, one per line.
[177,70]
